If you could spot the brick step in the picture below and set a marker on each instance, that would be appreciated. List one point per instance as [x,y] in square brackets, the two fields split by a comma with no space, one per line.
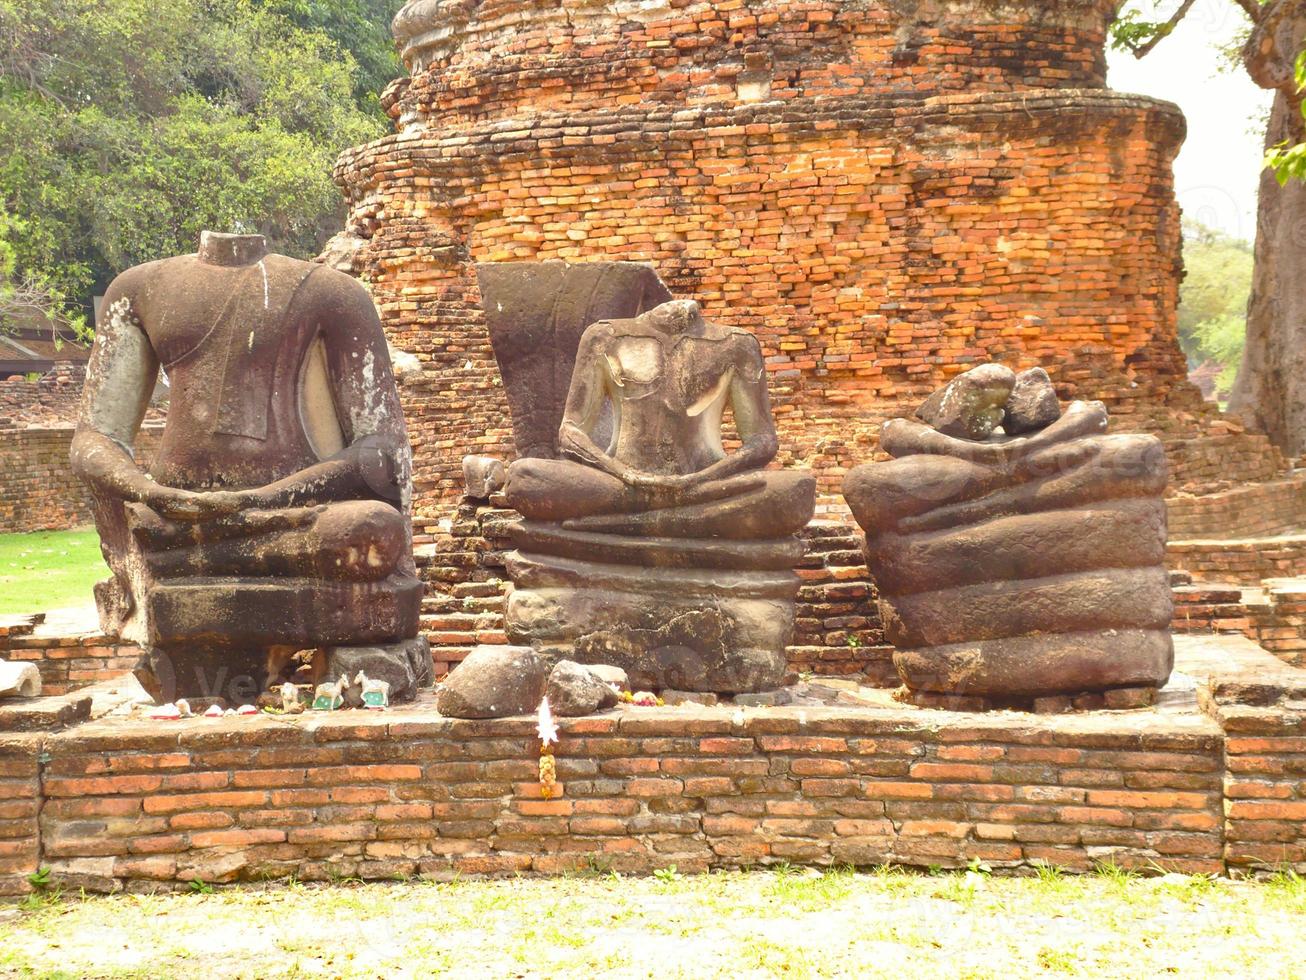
[829,530]
[20,625]
[478,609]
[841,652]
[461,622]
[444,639]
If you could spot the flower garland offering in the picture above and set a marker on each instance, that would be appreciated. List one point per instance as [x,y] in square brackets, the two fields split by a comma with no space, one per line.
[548,731]
[640,699]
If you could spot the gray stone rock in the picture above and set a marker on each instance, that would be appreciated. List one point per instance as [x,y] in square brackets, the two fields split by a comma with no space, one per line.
[674,698]
[406,366]
[609,674]
[575,690]
[19,680]
[971,405]
[494,682]
[483,476]
[405,666]
[1032,405]
[762,699]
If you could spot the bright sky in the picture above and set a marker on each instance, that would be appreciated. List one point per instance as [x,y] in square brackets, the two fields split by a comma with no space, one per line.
[1219,167]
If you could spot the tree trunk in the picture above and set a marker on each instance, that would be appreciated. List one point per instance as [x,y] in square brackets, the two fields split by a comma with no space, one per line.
[1270,393]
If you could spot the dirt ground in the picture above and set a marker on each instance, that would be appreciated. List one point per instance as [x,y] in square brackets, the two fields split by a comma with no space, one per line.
[789,923]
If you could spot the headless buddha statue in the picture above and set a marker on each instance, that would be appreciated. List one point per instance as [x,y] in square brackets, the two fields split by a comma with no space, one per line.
[646,543]
[641,434]
[273,516]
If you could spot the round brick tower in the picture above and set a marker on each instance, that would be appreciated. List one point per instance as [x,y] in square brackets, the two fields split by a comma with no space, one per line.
[884,191]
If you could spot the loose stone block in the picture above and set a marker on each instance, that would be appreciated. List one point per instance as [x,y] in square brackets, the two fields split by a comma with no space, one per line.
[19,680]
[494,682]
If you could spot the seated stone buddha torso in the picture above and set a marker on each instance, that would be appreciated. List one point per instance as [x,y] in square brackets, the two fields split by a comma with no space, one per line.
[274,511]
[641,437]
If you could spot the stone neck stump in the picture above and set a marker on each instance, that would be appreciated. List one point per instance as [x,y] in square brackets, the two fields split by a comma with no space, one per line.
[646,543]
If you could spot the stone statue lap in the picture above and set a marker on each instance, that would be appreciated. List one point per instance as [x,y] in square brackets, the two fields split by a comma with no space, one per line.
[646,544]
[274,516]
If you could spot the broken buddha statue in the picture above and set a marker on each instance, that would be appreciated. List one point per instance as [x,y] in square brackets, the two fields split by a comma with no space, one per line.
[273,516]
[1018,551]
[647,544]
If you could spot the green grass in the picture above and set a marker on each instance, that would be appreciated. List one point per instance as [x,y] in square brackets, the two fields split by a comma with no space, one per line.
[792,923]
[48,569]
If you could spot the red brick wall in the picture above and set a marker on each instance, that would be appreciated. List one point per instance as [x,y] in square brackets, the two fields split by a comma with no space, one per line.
[919,192]
[53,399]
[20,806]
[379,797]
[71,663]
[38,491]
[1246,562]
[1244,512]
[142,805]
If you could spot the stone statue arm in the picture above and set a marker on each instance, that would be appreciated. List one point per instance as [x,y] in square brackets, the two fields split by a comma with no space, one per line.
[376,461]
[119,381]
[751,403]
[585,400]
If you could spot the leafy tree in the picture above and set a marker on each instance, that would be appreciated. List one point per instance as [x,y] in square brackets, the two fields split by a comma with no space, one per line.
[1213,299]
[1270,391]
[361,27]
[127,127]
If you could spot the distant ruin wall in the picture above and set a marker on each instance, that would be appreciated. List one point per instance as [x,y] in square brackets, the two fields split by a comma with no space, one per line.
[38,490]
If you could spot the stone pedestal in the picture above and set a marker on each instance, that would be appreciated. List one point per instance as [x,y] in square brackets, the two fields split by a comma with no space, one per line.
[671,614]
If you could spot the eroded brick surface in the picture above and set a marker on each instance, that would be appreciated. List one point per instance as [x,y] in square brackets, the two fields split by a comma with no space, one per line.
[884,194]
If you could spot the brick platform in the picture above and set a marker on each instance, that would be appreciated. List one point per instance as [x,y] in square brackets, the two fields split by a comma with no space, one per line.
[118,803]
[1240,561]
[1256,511]
[69,650]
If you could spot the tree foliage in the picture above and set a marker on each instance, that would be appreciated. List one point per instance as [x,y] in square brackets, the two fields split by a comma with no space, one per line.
[1213,299]
[128,126]
[1288,159]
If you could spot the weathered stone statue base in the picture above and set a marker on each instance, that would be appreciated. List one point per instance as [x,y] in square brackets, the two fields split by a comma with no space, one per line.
[1024,668]
[688,626]
[183,659]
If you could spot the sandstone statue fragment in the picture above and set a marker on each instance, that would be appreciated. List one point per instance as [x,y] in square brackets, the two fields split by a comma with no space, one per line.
[274,517]
[1015,567]
[646,544]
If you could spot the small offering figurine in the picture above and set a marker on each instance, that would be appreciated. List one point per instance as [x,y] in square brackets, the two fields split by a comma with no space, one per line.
[329,697]
[290,702]
[376,693]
